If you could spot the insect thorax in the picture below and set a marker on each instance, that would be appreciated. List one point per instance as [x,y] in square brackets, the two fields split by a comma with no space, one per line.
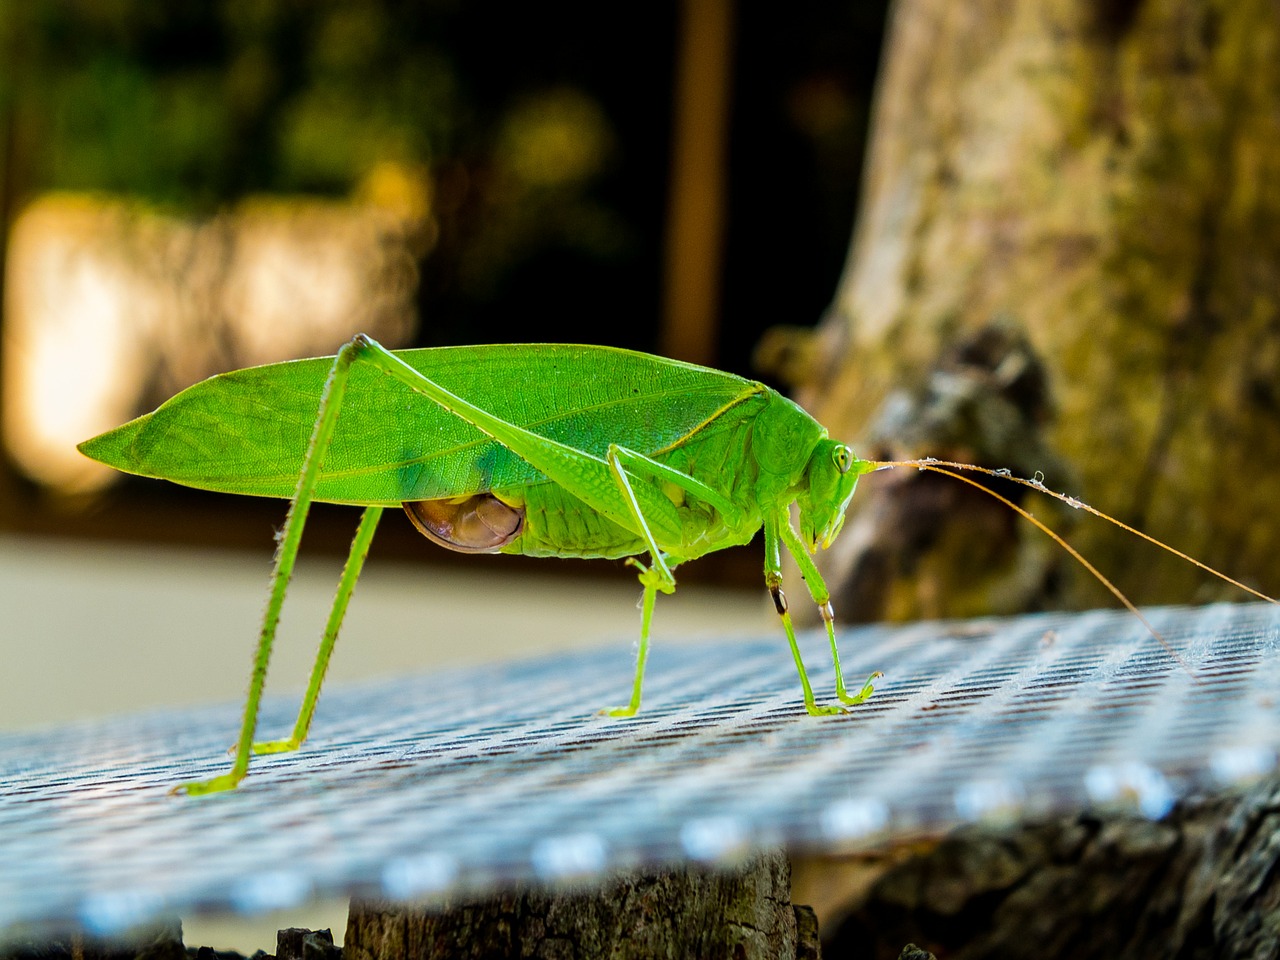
[783,437]
[557,523]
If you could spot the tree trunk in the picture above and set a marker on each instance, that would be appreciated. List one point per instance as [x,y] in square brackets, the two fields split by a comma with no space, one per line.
[1068,261]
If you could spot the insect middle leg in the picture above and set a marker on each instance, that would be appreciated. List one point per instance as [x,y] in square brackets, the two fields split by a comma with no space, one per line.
[657,576]
[651,578]
[623,463]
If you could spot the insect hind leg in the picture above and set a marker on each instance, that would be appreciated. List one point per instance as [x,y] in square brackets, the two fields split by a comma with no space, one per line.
[346,586]
[331,399]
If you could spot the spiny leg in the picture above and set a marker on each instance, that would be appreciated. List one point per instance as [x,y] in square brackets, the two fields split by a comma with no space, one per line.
[335,389]
[557,460]
[346,586]
[773,580]
[822,597]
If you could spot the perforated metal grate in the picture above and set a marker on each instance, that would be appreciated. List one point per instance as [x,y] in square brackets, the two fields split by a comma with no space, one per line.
[469,779]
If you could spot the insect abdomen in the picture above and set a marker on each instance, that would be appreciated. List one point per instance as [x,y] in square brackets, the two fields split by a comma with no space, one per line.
[558,524]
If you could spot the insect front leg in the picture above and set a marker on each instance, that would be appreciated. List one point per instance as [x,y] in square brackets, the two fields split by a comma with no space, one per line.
[821,596]
[773,580]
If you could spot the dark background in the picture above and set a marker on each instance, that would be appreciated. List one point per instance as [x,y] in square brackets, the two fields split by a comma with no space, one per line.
[191,106]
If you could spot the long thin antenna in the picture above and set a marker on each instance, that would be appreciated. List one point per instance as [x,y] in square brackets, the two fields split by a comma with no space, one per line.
[1037,484]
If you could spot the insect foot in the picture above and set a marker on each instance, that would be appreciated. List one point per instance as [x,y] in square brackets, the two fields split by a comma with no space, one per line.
[197,788]
[275,746]
[863,695]
[652,576]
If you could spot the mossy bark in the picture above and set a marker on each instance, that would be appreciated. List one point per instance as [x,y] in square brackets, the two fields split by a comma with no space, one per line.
[1101,184]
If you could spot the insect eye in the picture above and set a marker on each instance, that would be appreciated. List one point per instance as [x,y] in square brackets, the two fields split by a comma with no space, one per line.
[843,458]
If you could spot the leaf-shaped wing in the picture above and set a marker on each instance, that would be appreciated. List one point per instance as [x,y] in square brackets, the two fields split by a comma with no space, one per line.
[246,431]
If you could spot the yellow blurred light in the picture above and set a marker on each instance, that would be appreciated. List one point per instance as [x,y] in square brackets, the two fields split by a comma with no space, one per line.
[112,305]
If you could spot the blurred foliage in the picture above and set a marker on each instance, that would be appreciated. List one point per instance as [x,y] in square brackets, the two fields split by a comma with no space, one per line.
[534,140]
[198,103]
[543,132]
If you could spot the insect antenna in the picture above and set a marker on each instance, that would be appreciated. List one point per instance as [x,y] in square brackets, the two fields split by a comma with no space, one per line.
[948,468]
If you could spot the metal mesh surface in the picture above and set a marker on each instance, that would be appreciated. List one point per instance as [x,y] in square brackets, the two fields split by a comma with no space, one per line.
[464,780]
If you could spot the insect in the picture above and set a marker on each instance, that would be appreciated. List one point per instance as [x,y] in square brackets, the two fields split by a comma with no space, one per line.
[539,449]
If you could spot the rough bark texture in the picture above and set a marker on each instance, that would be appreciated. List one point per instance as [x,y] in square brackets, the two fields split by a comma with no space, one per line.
[1098,184]
[300,943]
[1202,883]
[161,940]
[679,914]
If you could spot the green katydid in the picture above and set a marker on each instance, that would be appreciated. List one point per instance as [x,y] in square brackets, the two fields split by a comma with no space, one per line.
[540,449]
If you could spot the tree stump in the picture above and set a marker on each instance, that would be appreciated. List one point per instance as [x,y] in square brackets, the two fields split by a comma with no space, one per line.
[682,913]
[1201,883]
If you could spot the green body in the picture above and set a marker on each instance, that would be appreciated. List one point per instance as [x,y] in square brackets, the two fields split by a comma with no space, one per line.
[604,452]
[246,432]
